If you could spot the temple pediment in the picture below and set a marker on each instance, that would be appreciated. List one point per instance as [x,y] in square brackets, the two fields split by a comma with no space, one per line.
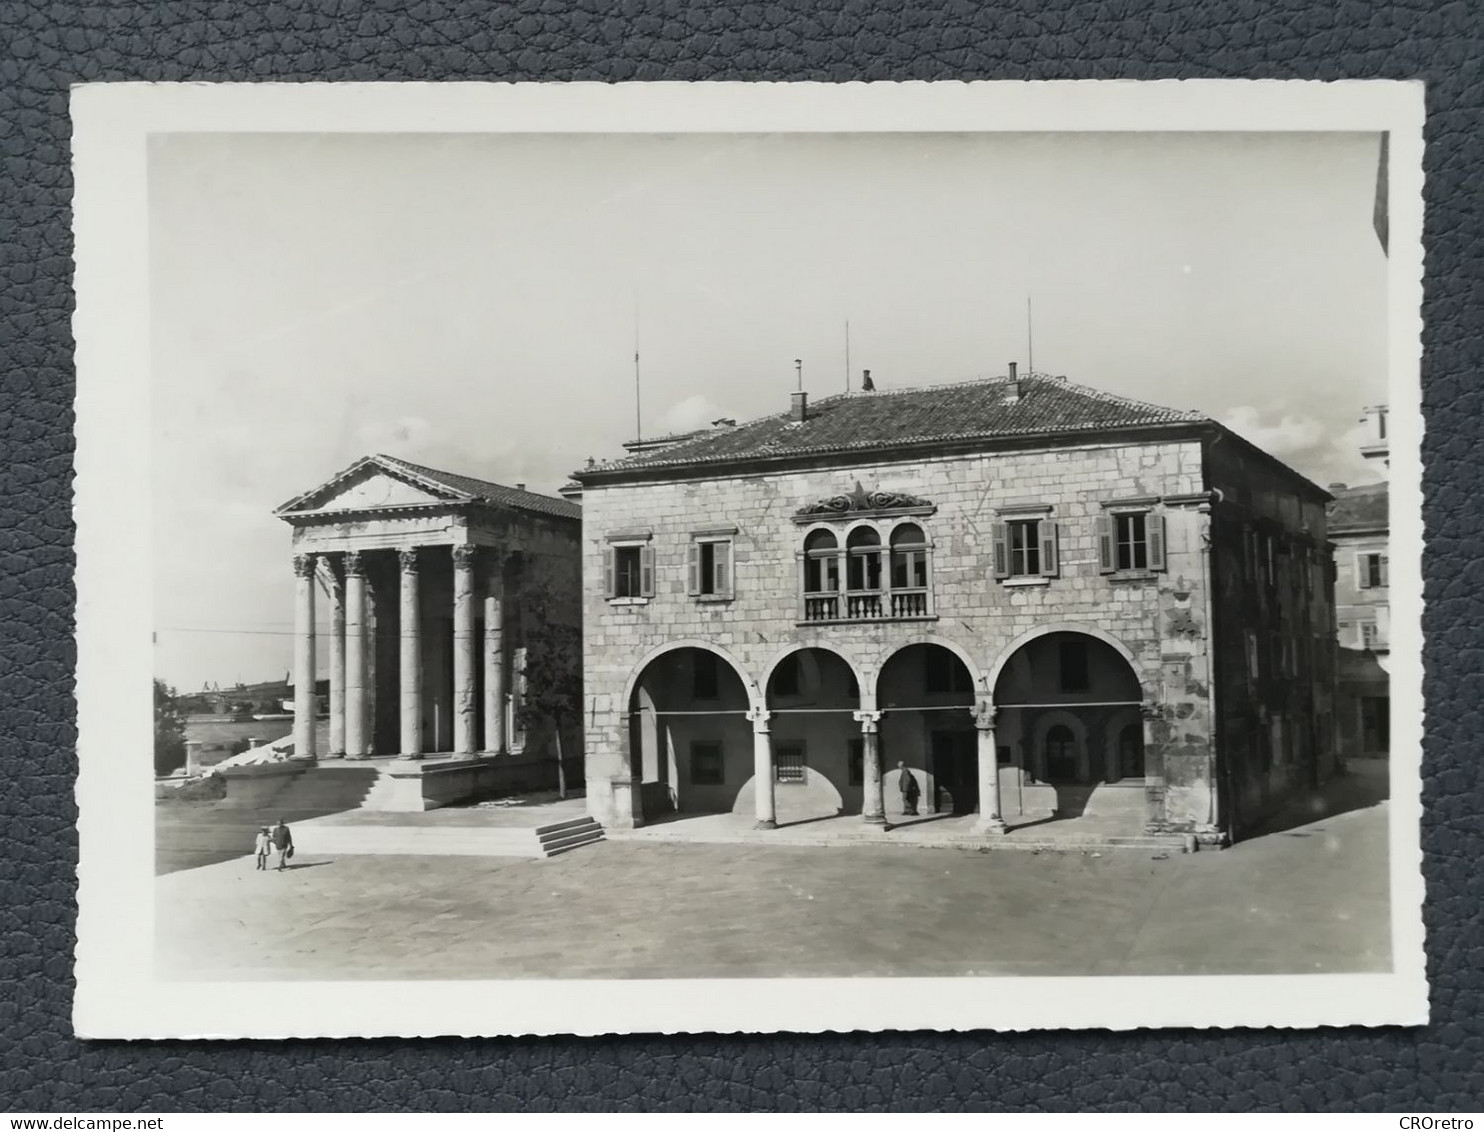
[370,486]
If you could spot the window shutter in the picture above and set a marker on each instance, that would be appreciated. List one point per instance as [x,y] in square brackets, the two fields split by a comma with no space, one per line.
[1383,569]
[610,568]
[693,569]
[1154,531]
[646,571]
[1001,550]
[1049,542]
[1363,571]
[721,559]
[1106,562]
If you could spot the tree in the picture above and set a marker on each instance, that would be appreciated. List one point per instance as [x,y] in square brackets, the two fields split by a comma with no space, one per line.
[553,668]
[170,748]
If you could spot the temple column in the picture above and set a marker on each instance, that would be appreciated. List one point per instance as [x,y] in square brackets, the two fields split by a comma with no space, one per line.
[355,656]
[305,702]
[494,656]
[336,590]
[464,705]
[410,658]
[873,802]
[1152,718]
[762,770]
[991,816]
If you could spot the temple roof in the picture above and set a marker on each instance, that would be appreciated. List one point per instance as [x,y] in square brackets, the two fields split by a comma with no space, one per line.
[429,486]
[863,422]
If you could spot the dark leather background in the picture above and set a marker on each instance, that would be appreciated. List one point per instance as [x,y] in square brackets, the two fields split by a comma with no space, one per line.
[45,46]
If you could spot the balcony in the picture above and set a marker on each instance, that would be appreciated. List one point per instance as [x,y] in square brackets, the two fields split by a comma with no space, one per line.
[914,604]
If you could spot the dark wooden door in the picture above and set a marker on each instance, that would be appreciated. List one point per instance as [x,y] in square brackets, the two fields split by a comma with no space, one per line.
[955,772]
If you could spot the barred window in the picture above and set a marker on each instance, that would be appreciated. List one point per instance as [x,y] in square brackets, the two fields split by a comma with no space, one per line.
[788,763]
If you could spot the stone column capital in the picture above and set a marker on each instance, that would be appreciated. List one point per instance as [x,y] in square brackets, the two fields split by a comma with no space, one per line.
[759,717]
[1150,712]
[355,566]
[464,554]
[407,559]
[868,720]
[304,565]
[984,715]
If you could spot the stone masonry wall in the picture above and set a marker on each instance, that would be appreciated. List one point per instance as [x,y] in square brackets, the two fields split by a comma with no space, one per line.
[1158,620]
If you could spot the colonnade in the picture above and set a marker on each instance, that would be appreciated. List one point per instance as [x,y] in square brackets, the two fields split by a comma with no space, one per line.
[351,648]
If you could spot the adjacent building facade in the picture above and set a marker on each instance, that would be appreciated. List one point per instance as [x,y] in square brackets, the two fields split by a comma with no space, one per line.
[1359,525]
[439,586]
[1030,597]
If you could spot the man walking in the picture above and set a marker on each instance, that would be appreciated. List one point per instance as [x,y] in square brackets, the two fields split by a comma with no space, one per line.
[283,841]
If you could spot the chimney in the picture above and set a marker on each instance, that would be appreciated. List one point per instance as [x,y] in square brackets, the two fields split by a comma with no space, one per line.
[520,487]
[867,386]
[1012,387]
[800,408]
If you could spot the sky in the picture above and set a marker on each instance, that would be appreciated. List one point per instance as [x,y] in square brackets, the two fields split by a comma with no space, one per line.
[473,302]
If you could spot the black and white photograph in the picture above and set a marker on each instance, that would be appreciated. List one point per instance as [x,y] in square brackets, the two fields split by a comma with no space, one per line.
[658,559]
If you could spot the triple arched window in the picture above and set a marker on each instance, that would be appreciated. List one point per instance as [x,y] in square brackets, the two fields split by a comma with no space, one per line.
[880,572]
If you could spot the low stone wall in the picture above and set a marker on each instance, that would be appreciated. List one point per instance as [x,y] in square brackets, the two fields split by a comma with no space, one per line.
[428,784]
[252,787]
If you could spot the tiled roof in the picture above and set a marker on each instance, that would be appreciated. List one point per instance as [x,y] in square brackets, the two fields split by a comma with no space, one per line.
[1363,508]
[851,422]
[488,492]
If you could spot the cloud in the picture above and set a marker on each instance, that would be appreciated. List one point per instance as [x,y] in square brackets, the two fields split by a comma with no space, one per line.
[405,434]
[692,413]
[1305,443]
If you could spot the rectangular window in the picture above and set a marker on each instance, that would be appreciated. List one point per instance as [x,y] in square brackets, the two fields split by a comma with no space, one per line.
[908,569]
[709,569]
[1024,539]
[705,675]
[630,570]
[1026,547]
[707,765]
[1375,724]
[855,774]
[864,570]
[1372,571]
[788,762]
[1074,675]
[1370,634]
[1132,543]
[822,573]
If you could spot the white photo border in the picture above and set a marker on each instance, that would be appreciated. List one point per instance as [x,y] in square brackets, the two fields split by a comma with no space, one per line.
[118,994]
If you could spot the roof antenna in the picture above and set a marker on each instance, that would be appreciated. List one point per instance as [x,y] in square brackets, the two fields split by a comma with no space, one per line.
[799,369]
[638,405]
[847,355]
[1030,350]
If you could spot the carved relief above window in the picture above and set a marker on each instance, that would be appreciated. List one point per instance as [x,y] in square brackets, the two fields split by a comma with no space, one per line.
[860,503]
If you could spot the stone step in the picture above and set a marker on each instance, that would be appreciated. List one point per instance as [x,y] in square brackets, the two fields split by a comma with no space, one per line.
[563,827]
[588,837]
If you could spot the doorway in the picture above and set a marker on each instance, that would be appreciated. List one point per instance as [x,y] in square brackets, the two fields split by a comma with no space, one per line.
[955,766]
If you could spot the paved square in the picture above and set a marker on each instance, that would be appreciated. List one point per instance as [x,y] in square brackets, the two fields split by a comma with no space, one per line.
[1309,899]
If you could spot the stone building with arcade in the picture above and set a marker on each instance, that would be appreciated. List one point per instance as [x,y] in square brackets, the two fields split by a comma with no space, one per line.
[437,585]
[1038,600]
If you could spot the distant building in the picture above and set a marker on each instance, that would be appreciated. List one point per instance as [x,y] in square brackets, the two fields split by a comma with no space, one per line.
[1031,596]
[1359,526]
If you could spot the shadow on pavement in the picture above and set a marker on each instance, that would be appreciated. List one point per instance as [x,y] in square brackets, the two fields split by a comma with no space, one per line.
[1364,783]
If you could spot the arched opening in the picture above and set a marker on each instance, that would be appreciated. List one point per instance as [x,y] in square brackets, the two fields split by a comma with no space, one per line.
[1066,719]
[821,576]
[863,573]
[909,571]
[812,695]
[690,742]
[926,696]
